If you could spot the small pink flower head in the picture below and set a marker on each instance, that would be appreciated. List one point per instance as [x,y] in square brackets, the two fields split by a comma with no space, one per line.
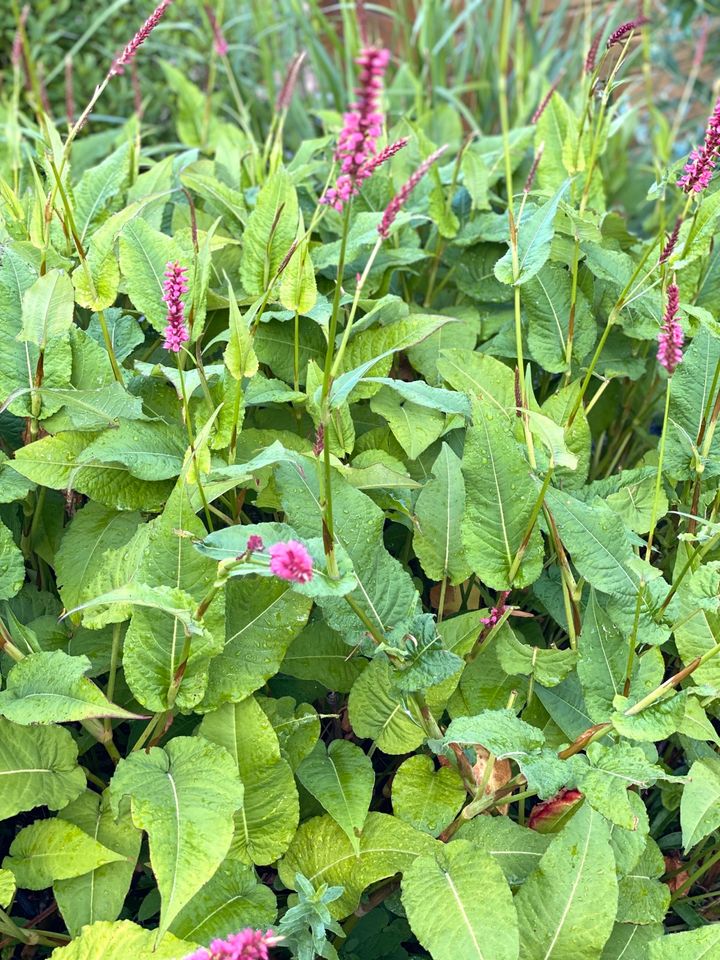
[119,64]
[497,611]
[248,944]
[400,198]
[255,542]
[291,561]
[701,164]
[175,285]
[670,339]
[362,125]
[624,29]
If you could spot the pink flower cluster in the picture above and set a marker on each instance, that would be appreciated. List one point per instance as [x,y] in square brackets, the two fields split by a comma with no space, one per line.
[624,29]
[497,611]
[362,125]
[175,285]
[671,241]
[291,561]
[119,64]
[400,198]
[700,166]
[248,944]
[670,339]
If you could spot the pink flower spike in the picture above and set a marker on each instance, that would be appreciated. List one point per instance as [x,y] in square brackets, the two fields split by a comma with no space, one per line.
[254,543]
[624,29]
[670,338]
[248,944]
[701,164]
[140,37]
[385,154]
[291,561]
[219,41]
[175,285]
[400,198]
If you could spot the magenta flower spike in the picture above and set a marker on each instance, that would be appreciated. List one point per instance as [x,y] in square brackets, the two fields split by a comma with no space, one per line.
[119,64]
[362,125]
[699,168]
[671,242]
[248,944]
[624,29]
[401,197]
[175,285]
[670,338]
[291,561]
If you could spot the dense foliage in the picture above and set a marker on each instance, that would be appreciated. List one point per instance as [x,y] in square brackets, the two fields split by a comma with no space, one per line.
[360,561]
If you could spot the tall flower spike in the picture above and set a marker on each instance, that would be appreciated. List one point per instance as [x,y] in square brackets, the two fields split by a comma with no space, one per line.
[400,198]
[544,102]
[119,64]
[362,125]
[219,41]
[670,339]
[385,154]
[591,58]
[624,29]
[700,166]
[670,242]
[248,944]
[175,285]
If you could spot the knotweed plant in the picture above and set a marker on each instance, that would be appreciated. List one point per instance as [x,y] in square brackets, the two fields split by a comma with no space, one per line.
[359,488]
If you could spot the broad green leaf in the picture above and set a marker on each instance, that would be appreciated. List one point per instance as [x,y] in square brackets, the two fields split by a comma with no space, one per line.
[700,805]
[439,511]
[298,287]
[7,887]
[548,666]
[697,622]
[89,410]
[100,893]
[297,727]
[500,731]
[700,944]
[533,246]
[656,722]
[321,851]
[426,798]
[517,849]
[566,908]
[603,656]
[239,356]
[629,941]
[12,565]
[231,900]
[546,300]
[47,308]
[268,818]
[93,530]
[501,496]
[480,376]
[144,255]
[99,186]
[51,687]
[263,616]
[642,897]
[270,231]
[691,400]
[184,796]
[440,896]
[149,451]
[121,940]
[414,427]
[484,685]
[320,654]
[378,713]
[55,849]
[38,767]
[342,780]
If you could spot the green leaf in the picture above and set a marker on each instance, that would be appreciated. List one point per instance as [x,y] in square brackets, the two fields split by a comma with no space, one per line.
[100,893]
[517,849]
[268,818]
[414,427]
[47,308]
[501,496]
[602,660]
[439,511]
[426,798]
[378,713]
[342,780]
[231,900]
[700,805]
[99,186]
[629,941]
[119,941]
[440,896]
[480,376]
[55,849]
[697,944]
[322,852]
[51,687]
[93,530]
[297,727]
[7,887]
[144,255]
[546,300]
[184,796]
[656,722]
[12,565]
[499,731]
[547,666]
[320,654]
[642,898]
[566,908]
[149,451]
[38,767]
[533,245]
[263,616]
[271,229]
[690,401]
[240,357]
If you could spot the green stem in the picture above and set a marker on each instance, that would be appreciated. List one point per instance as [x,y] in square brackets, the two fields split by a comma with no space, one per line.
[658,478]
